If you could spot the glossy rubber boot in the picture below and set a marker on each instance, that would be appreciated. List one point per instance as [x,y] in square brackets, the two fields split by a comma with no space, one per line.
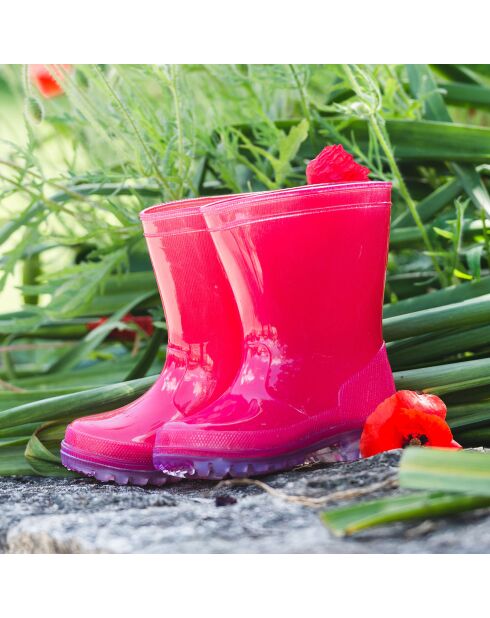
[203,353]
[307,268]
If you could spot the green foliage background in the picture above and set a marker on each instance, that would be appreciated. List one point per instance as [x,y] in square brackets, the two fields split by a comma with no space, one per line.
[76,170]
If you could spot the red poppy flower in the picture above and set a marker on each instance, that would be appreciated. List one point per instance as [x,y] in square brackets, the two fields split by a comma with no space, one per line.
[423,402]
[144,322]
[47,84]
[334,164]
[405,419]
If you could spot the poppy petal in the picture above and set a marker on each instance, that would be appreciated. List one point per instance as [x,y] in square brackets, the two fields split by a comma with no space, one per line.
[334,164]
[425,402]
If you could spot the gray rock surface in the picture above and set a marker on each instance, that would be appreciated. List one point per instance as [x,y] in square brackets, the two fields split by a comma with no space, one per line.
[39,515]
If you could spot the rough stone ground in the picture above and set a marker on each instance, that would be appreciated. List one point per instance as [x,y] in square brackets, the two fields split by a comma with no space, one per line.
[39,515]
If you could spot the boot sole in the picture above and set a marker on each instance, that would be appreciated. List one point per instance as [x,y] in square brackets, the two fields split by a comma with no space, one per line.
[343,448]
[110,473]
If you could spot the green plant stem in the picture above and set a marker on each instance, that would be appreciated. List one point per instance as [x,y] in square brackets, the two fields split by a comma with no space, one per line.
[178,123]
[139,137]
[302,94]
[384,141]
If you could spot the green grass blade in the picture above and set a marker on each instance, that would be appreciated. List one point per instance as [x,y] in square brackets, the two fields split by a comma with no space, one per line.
[411,236]
[431,141]
[13,462]
[418,350]
[445,470]
[95,337]
[457,315]
[149,355]
[424,87]
[89,401]
[44,460]
[350,519]
[460,385]
[14,441]
[19,322]
[432,204]
[482,69]
[473,437]
[439,375]
[447,296]
[468,95]
[9,399]
[98,373]
[19,430]
[455,72]
[119,290]
[473,186]
[469,416]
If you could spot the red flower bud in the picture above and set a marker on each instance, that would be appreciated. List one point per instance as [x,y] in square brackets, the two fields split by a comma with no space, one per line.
[47,85]
[334,164]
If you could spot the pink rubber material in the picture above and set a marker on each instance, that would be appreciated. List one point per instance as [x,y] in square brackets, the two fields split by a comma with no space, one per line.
[307,268]
[203,354]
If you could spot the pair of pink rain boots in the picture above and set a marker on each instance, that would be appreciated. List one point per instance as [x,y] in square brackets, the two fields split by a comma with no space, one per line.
[275,353]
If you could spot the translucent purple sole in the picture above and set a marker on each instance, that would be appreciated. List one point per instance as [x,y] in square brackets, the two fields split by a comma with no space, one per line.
[107,473]
[340,448]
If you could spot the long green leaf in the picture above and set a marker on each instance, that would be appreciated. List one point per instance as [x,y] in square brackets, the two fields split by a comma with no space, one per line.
[418,350]
[89,401]
[19,322]
[19,430]
[9,399]
[149,355]
[98,373]
[42,460]
[445,470]
[118,290]
[457,315]
[13,462]
[473,437]
[460,385]
[451,373]
[470,95]
[430,141]
[424,87]
[350,519]
[412,236]
[94,338]
[456,72]
[439,298]
[432,204]
[469,416]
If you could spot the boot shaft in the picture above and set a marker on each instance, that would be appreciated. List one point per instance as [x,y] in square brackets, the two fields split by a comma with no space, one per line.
[307,269]
[204,330]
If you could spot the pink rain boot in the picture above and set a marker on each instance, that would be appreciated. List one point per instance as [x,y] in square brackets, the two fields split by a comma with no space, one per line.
[203,354]
[307,268]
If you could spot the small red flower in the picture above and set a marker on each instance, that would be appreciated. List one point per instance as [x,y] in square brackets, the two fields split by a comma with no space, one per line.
[47,85]
[144,322]
[405,419]
[334,164]
[423,402]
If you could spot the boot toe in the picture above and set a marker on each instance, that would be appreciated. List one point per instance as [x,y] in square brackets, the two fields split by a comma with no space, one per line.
[95,439]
